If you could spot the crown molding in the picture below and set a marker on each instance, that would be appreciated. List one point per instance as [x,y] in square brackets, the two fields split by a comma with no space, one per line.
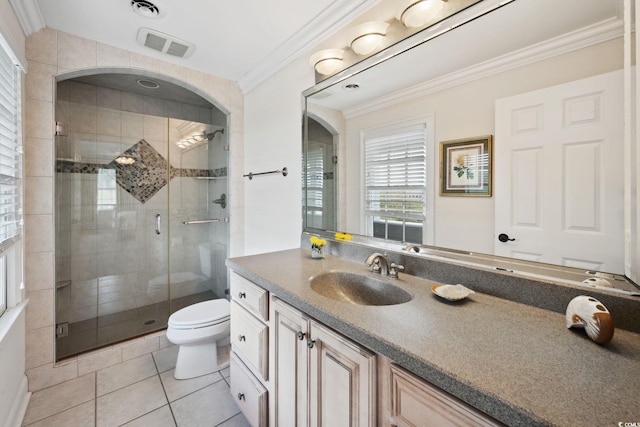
[338,14]
[598,33]
[29,16]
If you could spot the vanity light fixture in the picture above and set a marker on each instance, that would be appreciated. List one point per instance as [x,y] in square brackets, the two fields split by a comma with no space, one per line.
[365,38]
[196,140]
[327,61]
[125,160]
[416,13]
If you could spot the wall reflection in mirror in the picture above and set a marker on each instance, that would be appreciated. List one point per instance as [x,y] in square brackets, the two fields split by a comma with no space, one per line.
[545,80]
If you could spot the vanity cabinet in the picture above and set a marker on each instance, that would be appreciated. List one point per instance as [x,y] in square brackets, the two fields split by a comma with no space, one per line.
[319,378]
[410,401]
[250,349]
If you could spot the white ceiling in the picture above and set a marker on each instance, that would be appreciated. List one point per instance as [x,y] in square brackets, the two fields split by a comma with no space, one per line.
[244,41]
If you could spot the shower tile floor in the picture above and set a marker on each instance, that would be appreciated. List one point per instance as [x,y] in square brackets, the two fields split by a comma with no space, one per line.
[137,393]
[112,328]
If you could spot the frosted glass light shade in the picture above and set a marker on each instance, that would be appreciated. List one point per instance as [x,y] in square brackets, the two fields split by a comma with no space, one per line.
[416,13]
[327,61]
[366,38]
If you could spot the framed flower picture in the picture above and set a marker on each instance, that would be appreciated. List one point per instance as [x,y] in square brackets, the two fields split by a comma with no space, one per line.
[465,167]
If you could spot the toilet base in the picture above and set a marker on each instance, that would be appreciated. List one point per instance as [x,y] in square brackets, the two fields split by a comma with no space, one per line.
[197,360]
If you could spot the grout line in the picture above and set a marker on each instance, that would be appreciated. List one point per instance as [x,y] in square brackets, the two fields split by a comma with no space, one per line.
[57,413]
[168,401]
[95,400]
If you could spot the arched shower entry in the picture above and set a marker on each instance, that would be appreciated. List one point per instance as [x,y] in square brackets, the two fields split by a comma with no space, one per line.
[141,215]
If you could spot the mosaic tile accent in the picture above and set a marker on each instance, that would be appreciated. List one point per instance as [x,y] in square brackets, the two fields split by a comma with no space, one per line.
[66,166]
[145,176]
[198,173]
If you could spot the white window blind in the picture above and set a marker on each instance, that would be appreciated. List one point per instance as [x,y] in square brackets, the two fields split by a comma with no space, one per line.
[315,168]
[395,175]
[10,151]
[313,185]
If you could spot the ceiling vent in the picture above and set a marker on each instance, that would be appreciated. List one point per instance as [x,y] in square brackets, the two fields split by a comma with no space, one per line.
[165,43]
[147,9]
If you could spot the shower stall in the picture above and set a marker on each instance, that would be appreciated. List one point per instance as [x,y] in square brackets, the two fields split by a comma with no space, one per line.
[141,207]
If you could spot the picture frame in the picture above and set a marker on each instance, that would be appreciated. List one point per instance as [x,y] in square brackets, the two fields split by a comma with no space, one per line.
[466,167]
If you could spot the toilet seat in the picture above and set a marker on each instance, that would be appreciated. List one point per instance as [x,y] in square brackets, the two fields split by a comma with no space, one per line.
[201,315]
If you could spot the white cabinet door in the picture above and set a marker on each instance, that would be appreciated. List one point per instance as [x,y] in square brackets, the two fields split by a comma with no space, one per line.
[416,403]
[559,176]
[342,381]
[289,330]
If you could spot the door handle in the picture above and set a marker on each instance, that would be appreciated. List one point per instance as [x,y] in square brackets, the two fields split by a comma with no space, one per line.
[505,238]
[157,223]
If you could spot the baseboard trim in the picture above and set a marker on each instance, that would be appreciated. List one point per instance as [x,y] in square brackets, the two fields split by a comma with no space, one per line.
[20,404]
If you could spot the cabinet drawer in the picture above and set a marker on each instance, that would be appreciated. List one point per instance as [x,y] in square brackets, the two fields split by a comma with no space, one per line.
[248,393]
[250,339]
[415,402]
[249,295]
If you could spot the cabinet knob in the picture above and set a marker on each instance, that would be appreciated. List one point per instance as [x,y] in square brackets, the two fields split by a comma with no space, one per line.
[241,338]
[242,295]
[241,396]
[311,343]
[301,335]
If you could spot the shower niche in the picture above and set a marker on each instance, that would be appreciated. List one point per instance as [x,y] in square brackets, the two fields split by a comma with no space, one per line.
[141,230]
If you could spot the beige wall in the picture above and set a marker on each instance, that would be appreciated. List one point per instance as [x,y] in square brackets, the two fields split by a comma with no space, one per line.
[51,53]
[467,111]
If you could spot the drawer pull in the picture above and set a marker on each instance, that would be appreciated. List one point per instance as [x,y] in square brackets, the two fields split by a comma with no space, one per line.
[241,338]
[241,396]
[311,343]
[301,335]
[242,295]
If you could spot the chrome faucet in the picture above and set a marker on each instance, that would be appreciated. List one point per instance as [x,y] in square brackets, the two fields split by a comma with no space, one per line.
[378,263]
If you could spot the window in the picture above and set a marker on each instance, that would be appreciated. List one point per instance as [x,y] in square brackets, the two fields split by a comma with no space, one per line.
[395,162]
[314,186]
[107,189]
[10,163]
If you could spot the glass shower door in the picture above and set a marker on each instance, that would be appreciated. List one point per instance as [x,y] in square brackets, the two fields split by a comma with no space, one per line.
[198,207]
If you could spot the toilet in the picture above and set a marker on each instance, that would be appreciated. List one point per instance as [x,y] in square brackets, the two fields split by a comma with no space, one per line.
[202,332]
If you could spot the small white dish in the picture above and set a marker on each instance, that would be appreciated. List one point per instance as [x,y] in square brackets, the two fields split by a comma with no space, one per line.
[452,292]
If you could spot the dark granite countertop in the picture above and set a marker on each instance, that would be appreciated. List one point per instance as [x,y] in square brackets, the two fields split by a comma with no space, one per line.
[517,363]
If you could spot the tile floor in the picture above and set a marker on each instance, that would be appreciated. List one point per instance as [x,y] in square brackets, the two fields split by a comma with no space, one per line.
[139,392]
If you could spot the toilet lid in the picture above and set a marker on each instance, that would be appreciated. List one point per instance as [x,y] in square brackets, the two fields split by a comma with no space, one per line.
[202,314]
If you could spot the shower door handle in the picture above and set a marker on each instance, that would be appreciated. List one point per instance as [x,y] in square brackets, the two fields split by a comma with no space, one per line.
[157,223]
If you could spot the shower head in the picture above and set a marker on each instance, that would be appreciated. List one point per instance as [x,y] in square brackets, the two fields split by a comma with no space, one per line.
[210,136]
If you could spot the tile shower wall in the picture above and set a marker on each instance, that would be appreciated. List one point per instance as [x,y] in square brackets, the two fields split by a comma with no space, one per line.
[51,53]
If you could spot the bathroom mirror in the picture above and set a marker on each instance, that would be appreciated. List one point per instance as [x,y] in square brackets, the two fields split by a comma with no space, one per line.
[453,86]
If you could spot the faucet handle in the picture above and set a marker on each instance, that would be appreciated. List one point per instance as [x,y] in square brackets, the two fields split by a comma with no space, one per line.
[394,269]
[375,266]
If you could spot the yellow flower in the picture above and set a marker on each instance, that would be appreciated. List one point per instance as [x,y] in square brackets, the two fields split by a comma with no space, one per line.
[316,241]
[343,236]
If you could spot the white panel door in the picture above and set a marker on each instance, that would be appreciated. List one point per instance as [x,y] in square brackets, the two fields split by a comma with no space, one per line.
[558,180]
[289,332]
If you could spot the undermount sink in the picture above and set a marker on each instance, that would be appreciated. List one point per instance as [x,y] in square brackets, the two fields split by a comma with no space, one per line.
[358,289]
